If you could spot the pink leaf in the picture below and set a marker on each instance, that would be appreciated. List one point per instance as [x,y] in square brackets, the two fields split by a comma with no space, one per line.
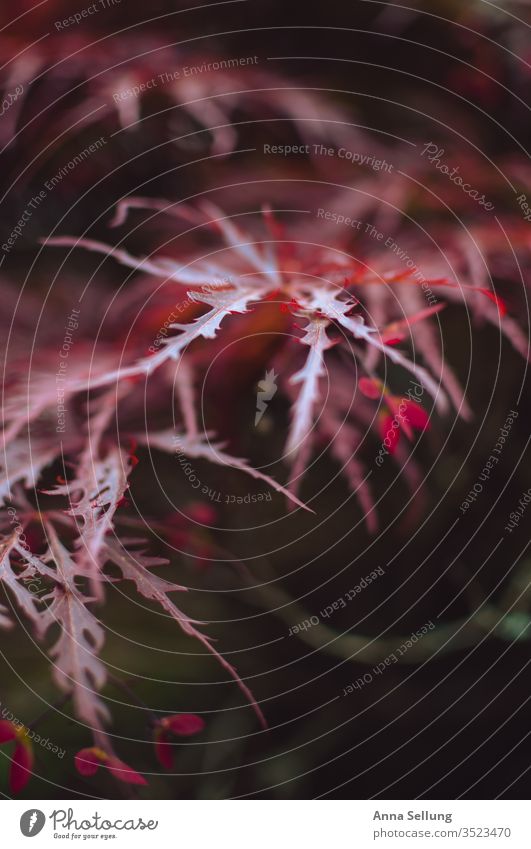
[26,599]
[21,767]
[389,433]
[183,724]
[124,772]
[94,497]
[134,567]
[8,731]
[200,447]
[417,416]
[316,339]
[87,761]
[23,462]
[77,669]
[163,749]
[370,388]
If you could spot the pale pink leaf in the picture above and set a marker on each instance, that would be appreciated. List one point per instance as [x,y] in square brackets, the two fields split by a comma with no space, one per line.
[19,582]
[23,462]
[177,444]
[94,495]
[309,376]
[136,568]
[78,670]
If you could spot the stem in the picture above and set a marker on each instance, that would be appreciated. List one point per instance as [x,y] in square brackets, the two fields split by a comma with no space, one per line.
[60,703]
[122,685]
[446,638]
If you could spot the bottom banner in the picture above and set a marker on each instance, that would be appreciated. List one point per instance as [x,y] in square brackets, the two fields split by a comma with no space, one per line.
[267,822]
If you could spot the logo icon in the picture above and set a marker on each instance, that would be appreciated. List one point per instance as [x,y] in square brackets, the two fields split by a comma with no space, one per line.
[31,822]
[266,390]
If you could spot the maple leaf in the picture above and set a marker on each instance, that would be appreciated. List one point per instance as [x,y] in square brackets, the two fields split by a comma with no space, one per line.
[77,668]
[94,495]
[332,304]
[23,462]
[34,391]
[318,284]
[184,390]
[136,567]
[16,581]
[309,376]
[202,447]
